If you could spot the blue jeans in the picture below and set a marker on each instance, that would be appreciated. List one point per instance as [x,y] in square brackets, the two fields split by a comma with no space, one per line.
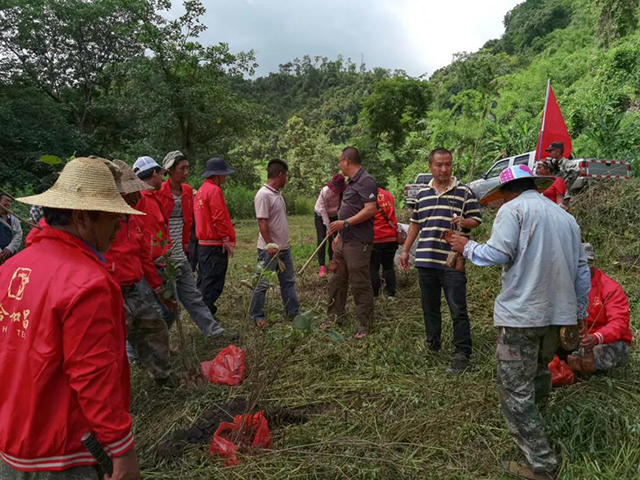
[287,280]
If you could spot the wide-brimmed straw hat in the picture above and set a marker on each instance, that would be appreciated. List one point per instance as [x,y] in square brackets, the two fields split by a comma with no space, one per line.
[129,181]
[494,197]
[337,184]
[84,184]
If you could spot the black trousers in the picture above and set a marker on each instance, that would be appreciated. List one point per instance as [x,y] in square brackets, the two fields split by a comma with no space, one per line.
[383,254]
[321,232]
[454,284]
[212,273]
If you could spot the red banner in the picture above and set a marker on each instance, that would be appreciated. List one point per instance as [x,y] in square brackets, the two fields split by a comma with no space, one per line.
[553,128]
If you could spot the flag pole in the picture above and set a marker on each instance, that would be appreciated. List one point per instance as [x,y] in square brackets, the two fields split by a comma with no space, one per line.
[544,118]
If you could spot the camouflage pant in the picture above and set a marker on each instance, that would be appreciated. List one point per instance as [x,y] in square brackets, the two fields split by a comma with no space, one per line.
[522,358]
[569,174]
[147,332]
[78,473]
[610,355]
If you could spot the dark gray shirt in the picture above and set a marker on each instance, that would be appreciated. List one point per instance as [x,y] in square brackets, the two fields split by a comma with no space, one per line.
[361,189]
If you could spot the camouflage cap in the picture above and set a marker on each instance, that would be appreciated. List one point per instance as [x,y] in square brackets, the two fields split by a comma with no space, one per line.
[171,158]
[590,251]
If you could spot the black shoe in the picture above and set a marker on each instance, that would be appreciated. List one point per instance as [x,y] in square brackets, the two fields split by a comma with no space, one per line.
[431,346]
[459,364]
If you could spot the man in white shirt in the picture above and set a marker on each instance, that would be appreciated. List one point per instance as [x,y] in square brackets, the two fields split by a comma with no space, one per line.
[274,252]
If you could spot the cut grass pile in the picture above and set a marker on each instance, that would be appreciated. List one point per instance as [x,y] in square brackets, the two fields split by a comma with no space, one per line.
[383,408]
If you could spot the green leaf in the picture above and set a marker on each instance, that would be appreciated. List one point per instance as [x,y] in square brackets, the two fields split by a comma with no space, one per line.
[167,294]
[159,234]
[303,322]
[333,335]
[50,160]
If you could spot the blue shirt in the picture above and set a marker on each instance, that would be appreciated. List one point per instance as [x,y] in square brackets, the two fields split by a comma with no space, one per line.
[545,277]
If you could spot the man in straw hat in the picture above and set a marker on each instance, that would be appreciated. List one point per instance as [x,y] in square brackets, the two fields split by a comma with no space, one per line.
[545,286]
[175,200]
[128,260]
[215,233]
[63,367]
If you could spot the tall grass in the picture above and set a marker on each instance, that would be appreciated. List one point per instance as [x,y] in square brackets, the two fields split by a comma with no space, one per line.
[384,408]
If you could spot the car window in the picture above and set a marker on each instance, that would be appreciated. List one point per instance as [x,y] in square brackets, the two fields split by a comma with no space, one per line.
[424,178]
[521,160]
[498,168]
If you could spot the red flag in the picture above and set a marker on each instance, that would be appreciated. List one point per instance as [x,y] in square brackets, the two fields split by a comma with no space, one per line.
[553,128]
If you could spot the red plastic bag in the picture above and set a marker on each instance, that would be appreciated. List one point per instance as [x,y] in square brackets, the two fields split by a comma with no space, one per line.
[561,373]
[227,368]
[248,431]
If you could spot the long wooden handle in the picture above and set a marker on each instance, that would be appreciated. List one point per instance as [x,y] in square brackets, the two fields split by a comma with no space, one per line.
[314,254]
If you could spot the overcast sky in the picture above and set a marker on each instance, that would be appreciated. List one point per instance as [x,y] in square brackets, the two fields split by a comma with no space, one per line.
[418,36]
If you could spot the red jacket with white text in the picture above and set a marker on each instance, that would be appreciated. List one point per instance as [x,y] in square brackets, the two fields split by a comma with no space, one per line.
[608,316]
[63,366]
[382,231]
[128,259]
[213,223]
[155,224]
[166,199]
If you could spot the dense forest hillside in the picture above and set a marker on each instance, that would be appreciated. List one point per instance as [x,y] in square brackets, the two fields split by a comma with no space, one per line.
[116,78]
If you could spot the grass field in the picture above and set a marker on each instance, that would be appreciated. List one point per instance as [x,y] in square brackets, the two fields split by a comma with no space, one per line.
[383,408]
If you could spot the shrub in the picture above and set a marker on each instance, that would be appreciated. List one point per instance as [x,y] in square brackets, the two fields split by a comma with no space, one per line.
[239,201]
[299,204]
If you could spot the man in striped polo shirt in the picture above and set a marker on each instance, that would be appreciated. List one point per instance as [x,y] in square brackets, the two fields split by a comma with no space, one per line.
[444,204]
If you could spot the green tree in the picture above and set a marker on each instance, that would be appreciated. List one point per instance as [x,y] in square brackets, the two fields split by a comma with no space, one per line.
[70,49]
[311,158]
[394,108]
[616,18]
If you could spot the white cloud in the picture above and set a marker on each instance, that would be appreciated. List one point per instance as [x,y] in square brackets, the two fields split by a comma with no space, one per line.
[437,30]
[418,36]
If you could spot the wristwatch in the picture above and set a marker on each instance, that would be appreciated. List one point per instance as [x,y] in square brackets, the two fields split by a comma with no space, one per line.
[346,223]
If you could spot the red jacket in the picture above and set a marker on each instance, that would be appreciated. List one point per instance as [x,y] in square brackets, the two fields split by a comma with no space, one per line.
[128,259]
[63,366]
[166,199]
[213,223]
[382,231]
[34,232]
[608,310]
[155,224]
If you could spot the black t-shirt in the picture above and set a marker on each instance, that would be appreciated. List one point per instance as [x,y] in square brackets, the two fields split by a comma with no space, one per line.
[361,189]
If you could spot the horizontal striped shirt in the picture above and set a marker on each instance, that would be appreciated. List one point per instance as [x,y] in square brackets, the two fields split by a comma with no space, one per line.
[176,223]
[433,212]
